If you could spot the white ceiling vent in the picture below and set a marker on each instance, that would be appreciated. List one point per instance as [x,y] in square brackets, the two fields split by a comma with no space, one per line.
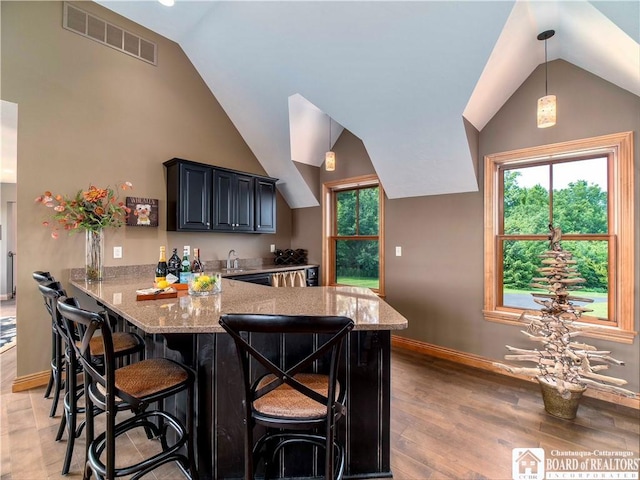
[95,28]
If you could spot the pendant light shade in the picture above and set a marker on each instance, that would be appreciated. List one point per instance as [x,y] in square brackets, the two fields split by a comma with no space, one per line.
[547,111]
[330,161]
[547,105]
[330,157]
[167,3]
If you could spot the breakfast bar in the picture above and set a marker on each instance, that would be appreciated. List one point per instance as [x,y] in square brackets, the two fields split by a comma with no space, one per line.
[186,328]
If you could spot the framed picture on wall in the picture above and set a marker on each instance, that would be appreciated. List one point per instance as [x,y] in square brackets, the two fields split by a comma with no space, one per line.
[144,212]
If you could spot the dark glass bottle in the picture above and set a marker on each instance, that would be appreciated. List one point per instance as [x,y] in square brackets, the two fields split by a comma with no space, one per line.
[162,269]
[196,265]
[174,264]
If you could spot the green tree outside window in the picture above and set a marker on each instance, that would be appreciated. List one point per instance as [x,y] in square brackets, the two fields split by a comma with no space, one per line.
[577,206]
[356,243]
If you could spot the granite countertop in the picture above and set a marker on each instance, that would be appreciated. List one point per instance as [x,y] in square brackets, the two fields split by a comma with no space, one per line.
[188,314]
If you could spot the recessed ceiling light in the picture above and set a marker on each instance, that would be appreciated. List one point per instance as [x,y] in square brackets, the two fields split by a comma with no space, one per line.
[167,3]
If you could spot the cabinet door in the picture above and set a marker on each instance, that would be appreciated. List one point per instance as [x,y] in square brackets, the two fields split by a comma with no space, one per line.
[243,199]
[265,206]
[258,278]
[223,217]
[194,197]
[234,194]
[313,279]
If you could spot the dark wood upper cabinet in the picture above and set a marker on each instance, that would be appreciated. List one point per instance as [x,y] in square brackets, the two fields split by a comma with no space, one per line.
[233,202]
[203,197]
[189,197]
[265,221]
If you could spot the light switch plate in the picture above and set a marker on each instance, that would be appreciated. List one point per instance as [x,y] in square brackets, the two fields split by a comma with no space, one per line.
[117,252]
[273,248]
[398,251]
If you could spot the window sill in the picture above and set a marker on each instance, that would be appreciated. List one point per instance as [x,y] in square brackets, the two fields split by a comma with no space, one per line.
[612,334]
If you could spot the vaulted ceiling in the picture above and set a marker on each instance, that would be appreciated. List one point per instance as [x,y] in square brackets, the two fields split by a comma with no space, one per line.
[399,75]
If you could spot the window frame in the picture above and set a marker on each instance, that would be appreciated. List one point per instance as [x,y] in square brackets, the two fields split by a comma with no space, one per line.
[621,226]
[329,189]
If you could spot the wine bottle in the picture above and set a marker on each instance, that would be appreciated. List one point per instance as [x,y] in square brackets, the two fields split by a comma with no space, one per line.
[185,270]
[162,269]
[174,264]
[196,266]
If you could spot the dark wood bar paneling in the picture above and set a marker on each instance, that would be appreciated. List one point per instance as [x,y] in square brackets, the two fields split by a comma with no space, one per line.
[220,432]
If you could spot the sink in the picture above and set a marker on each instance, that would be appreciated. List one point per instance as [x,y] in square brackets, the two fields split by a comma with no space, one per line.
[232,270]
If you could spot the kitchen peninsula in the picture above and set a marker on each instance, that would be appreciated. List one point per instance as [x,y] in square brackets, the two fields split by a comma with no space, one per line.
[186,328]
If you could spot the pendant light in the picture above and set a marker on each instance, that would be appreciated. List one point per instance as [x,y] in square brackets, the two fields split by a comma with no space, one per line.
[167,3]
[547,110]
[329,157]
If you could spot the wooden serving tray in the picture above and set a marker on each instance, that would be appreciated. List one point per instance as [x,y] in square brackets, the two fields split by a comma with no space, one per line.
[157,296]
[178,286]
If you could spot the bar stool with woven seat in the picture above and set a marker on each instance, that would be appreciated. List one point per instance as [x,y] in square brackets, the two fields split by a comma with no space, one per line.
[125,344]
[139,385]
[294,403]
[57,355]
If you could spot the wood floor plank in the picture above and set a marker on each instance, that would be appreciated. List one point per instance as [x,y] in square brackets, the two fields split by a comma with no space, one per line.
[5,452]
[448,421]
[450,418]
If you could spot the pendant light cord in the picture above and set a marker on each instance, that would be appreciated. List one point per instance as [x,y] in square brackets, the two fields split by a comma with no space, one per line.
[545,36]
[546,69]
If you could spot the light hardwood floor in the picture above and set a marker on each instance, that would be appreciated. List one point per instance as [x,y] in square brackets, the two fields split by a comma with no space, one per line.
[28,450]
[447,422]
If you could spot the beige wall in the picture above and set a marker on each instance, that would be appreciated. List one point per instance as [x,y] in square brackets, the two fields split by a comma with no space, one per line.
[310,174]
[88,113]
[588,106]
[438,282]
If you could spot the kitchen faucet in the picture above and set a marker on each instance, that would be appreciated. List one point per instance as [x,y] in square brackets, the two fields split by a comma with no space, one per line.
[235,260]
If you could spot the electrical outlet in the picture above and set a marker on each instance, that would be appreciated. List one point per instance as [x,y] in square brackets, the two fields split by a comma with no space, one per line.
[117,252]
[398,251]
[273,248]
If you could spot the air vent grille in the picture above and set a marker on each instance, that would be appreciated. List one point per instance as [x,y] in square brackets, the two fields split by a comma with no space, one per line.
[90,26]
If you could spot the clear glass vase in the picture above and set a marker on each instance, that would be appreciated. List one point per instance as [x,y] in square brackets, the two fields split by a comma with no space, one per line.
[94,260]
[205,284]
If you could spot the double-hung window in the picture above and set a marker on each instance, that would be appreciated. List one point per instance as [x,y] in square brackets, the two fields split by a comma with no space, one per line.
[353,239]
[585,188]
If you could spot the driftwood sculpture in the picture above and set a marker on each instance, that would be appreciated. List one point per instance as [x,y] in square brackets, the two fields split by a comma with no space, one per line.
[563,362]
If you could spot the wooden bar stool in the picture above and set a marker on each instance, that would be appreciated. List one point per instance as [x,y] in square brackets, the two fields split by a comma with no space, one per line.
[125,344]
[139,385]
[57,355]
[295,403]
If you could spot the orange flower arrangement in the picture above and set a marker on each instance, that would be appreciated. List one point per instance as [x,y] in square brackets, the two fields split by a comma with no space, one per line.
[92,209]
